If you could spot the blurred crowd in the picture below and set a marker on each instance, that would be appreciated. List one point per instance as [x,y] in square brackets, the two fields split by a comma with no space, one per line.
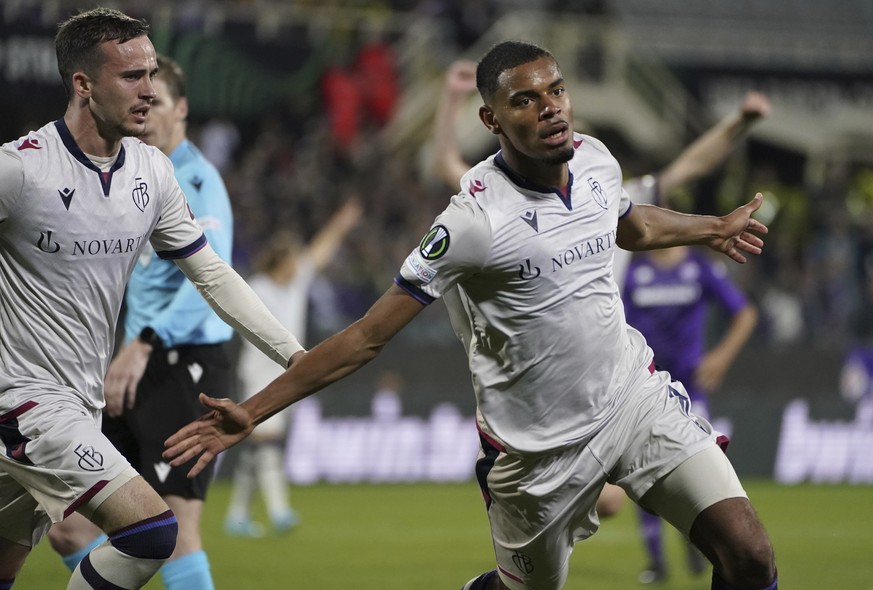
[296,163]
[814,282]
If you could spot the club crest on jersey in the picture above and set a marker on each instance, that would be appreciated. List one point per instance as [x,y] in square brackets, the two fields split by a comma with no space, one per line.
[140,194]
[435,243]
[597,192]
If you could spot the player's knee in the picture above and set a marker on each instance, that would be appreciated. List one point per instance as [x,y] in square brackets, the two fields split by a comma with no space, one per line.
[152,538]
[751,564]
[60,541]
[757,562]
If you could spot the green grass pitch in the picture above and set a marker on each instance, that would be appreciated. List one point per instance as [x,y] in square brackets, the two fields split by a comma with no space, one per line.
[435,537]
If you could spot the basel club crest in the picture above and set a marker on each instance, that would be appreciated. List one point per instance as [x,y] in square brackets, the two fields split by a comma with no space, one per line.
[435,243]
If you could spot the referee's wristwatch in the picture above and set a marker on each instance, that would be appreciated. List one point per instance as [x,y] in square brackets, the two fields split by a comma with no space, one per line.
[149,336]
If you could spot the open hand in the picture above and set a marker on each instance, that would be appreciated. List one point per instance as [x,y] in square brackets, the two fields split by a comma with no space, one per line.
[735,236]
[227,424]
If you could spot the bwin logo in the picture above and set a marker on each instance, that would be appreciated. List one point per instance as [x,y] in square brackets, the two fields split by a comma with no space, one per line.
[140,194]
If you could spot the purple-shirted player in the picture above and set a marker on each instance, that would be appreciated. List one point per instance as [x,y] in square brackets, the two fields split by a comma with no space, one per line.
[667,296]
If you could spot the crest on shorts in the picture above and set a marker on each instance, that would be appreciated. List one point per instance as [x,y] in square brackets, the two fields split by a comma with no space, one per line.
[523,562]
[89,458]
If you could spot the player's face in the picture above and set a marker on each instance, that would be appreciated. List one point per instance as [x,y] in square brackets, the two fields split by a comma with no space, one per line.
[532,113]
[121,91]
[164,127]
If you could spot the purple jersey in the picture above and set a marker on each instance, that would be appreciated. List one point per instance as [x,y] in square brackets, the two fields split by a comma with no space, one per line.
[669,306]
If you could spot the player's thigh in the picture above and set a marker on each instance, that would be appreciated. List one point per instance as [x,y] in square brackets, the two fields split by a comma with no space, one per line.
[729,532]
[699,482]
[133,502]
[539,508]
[22,521]
[67,465]
[12,557]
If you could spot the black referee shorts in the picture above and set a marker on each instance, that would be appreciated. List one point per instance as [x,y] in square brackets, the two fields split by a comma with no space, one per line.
[166,400]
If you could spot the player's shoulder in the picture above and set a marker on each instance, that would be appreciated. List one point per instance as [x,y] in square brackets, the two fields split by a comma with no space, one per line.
[36,144]
[589,143]
[487,183]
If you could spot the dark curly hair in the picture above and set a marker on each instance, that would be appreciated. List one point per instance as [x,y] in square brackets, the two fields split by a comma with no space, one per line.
[504,56]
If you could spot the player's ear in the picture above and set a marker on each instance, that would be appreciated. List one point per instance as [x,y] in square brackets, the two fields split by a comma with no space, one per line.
[182,107]
[82,84]
[486,115]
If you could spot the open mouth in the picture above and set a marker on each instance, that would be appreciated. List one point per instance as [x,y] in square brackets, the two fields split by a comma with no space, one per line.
[141,114]
[556,134]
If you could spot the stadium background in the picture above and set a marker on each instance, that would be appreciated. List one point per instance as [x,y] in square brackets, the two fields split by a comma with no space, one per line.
[303,104]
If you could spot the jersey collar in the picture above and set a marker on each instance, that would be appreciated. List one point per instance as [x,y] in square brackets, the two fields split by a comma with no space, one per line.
[524,183]
[76,152]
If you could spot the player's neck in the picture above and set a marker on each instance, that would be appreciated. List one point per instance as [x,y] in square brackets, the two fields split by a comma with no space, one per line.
[537,171]
[87,133]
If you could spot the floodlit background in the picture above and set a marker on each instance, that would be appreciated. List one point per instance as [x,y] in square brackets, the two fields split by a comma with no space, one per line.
[304,104]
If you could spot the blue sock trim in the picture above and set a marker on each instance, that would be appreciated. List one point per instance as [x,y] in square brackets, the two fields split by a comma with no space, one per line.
[189,572]
[152,538]
[73,559]
[480,583]
[6,584]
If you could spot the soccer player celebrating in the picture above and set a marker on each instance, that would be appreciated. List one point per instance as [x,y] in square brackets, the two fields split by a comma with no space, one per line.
[173,350]
[567,394]
[80,199]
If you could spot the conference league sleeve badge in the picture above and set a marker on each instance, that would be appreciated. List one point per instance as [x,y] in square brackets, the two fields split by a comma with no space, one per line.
[433,246]
[435,243]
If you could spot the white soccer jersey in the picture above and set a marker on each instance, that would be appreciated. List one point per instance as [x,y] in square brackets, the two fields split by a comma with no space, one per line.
[543,324]
[69,238]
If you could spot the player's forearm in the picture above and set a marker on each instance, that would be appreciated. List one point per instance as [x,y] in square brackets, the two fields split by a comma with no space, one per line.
[653,227]
[327,363]
[235,303]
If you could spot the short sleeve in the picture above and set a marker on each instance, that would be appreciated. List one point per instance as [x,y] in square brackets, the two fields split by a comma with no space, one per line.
[455,247]
[177,234]
[11,181]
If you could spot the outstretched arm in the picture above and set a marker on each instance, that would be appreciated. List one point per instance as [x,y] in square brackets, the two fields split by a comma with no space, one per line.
[338,356]
[647,227]
[447,163]
[713,147]
[235,303]
[327,241]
